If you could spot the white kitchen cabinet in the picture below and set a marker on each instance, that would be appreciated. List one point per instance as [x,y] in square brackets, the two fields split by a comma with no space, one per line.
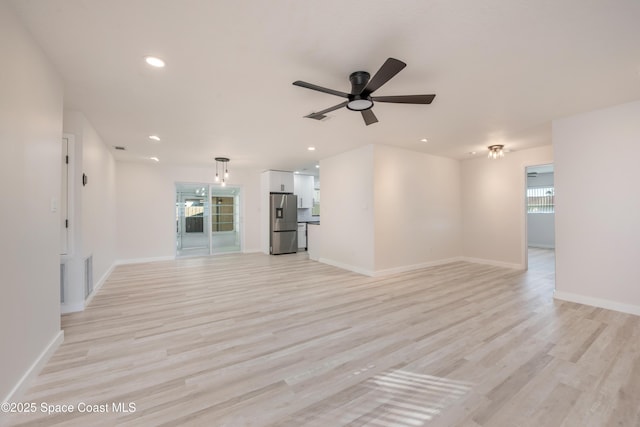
[280,181]
[302,235]
[303,188]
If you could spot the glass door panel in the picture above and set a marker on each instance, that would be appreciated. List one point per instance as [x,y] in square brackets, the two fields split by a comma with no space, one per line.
[225,220]
[192,220]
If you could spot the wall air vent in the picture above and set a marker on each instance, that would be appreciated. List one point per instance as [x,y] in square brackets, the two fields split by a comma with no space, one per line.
[119,147]
[63,280]
[88,276]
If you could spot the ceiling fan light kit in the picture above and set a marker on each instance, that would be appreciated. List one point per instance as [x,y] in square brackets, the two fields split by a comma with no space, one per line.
[362,86]
[359,104]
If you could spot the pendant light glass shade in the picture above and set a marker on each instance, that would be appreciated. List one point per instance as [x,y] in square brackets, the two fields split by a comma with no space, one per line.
[496,152]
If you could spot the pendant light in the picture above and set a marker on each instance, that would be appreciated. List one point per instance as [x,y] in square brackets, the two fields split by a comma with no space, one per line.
[222,163]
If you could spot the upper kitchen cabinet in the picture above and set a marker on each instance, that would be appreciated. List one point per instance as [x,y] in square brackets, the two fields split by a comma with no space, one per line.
[279,181]
[303,188]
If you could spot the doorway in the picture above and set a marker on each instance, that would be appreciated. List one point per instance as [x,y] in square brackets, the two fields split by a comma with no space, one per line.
[207,219]
[540,219]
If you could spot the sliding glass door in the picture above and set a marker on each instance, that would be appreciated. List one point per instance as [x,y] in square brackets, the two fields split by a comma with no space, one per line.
[192,219]
[225,220]
[207,219]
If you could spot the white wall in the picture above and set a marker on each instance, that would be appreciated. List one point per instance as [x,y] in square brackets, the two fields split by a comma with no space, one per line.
[386,209]
[30,137]
[544,179]
[348,210]
[417,209]
[597,225]
[493,206]
[541,230]
[145,207]
[94,219]
[98,203]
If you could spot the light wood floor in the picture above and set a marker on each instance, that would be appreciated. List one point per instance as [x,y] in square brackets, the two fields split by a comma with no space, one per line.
[256,340]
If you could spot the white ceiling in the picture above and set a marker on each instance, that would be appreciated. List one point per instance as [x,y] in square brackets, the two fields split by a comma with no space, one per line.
[501,69]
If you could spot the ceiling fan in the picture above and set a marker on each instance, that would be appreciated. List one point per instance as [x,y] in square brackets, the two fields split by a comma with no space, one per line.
[362,87]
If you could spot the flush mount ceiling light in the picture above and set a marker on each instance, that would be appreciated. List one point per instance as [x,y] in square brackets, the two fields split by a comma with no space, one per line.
[155,159]
[311,148]
[154,61]
[223,164]
[496,151]
[424,140]
[154,137]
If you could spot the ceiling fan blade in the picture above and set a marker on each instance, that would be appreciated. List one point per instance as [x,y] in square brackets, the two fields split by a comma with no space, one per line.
[390,68]
[405,99]
[321,114]
[369,117]
[320,89]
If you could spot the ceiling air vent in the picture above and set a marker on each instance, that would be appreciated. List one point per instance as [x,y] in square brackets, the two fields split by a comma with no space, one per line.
[119,147]
[532,174]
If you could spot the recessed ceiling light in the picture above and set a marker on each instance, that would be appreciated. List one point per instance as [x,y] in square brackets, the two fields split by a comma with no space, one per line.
[296,172]
[423,140]
[311,148]
[472,153]
[154,61]
[155,159]
[317,166]
[154,137]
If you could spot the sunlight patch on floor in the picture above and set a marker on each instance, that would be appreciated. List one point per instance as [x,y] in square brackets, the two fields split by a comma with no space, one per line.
[407,399]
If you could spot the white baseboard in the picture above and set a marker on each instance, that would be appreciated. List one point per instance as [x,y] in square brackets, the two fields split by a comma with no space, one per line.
[21,387]
[388,271]
[99,284]
[493,262]
[66,308]
[597,302]
[144,260]
[346,266]
[406,268]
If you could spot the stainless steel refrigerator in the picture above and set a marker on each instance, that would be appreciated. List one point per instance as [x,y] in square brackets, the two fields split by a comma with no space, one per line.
[284,224]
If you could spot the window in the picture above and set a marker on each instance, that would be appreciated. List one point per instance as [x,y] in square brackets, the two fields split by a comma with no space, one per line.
[222,214]
[540,200]
[315,211]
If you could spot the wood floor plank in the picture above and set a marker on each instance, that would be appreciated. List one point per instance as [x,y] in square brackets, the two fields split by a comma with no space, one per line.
[256,340]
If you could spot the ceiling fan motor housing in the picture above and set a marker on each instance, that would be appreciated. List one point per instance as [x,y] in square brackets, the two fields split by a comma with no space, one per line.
[357,102]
